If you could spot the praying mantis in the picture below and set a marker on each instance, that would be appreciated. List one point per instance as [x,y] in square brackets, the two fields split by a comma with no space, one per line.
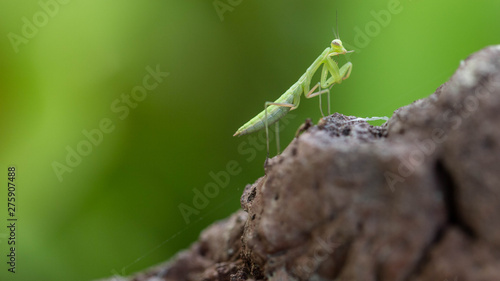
[330,75]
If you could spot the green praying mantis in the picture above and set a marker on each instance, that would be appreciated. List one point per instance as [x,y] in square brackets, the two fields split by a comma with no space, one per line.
[331,74]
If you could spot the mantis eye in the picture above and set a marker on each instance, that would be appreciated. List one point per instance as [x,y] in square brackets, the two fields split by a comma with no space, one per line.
[337,43]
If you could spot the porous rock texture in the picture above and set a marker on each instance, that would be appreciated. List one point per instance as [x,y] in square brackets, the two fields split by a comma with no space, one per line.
[415,199]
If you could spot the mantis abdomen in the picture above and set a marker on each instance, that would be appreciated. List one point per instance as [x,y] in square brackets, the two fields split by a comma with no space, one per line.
[274,112]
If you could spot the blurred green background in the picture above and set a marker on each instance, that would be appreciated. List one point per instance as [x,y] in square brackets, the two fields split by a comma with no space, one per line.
[64,64]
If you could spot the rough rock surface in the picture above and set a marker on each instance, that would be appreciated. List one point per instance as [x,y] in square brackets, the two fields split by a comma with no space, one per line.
[414,199]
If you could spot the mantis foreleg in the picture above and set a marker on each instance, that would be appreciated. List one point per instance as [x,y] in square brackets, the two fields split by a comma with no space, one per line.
[337,75]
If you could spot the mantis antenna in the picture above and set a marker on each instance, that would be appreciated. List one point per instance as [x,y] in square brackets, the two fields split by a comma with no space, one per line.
[337,34]
[337,23]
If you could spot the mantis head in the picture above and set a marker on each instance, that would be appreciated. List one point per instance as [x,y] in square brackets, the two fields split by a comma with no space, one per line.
[338,48]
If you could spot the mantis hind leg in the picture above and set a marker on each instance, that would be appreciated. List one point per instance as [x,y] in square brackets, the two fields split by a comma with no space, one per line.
[266,105]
